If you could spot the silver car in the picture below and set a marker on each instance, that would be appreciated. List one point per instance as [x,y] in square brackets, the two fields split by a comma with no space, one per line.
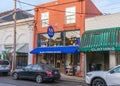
[4,67]
[104,78]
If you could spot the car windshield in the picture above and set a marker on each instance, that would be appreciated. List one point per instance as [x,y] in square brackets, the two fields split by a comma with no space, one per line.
[4,63]
[46,67]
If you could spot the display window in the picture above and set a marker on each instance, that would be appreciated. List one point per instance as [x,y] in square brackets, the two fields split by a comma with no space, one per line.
[65,38]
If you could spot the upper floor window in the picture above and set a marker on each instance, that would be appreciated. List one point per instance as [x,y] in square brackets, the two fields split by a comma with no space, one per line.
[45,19]
[70,14]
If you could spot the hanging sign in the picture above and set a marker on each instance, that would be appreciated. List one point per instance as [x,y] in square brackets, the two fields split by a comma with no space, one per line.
[50,31]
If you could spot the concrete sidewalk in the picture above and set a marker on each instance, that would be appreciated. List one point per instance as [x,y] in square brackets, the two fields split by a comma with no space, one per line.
[72,78]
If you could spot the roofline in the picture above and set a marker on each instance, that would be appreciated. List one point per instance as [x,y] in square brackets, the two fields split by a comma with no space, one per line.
[18,21]
[103,29]
[39,5]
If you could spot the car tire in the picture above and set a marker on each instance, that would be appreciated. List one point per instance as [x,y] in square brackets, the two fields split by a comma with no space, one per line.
[15,76]
[39,79]
[98,82]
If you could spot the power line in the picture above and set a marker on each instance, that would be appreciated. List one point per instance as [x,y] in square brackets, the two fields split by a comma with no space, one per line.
[22,12]
[26,3]
[55,9]
[58,10]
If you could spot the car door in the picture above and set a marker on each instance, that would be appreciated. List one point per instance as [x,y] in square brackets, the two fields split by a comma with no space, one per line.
[26,71]
[113,77]
[34,71]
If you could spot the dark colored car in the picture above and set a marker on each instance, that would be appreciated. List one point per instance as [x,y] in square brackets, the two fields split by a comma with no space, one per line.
[4,66]
[38,72]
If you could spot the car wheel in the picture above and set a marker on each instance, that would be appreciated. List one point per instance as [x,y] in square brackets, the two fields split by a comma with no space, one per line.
[15,76]
[39,79]
[98,82]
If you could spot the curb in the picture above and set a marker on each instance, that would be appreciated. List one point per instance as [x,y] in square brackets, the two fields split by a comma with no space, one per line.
[81,81]
[73,79]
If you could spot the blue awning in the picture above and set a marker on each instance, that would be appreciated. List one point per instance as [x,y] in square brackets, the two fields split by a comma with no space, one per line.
[55,49]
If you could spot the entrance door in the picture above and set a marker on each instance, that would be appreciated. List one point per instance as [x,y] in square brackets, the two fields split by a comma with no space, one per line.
[58,60]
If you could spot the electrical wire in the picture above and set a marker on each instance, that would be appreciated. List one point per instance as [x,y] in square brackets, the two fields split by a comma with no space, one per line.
[54,9]
[24,15]
[60,10]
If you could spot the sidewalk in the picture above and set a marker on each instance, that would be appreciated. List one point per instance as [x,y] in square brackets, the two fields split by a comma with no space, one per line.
[72,78]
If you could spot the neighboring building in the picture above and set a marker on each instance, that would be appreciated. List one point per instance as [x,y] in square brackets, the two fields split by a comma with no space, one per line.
[101,42]
[104,21]
[66,17]
[24,36]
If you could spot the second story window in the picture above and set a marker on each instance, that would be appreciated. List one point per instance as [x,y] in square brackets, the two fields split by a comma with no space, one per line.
[45,19]
[70,14]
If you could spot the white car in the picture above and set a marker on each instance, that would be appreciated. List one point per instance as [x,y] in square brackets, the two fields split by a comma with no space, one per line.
[104,78]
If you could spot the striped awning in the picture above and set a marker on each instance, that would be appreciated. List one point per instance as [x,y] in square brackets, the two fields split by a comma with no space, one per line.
[100,40]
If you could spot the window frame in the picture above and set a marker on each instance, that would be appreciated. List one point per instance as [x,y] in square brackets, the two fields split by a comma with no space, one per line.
[70,15]
[44,19]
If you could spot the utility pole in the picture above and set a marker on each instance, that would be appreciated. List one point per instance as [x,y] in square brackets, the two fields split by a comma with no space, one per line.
[14,52]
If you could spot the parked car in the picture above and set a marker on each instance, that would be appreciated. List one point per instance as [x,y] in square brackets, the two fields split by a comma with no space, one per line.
[4,67]
[104,78]
[38,72]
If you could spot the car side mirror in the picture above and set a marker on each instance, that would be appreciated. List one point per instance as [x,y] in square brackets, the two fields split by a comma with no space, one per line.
[112,71]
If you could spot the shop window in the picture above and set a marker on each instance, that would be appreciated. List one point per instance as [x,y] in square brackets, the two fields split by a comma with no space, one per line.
[44,40]
[59,39]
[70,15]
[21,60]
[72,38]
[45,19]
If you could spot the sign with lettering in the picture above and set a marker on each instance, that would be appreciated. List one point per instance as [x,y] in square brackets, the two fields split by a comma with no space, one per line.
[50,31]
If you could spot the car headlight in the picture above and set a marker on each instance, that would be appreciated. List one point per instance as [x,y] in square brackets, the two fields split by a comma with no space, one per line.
[89,75]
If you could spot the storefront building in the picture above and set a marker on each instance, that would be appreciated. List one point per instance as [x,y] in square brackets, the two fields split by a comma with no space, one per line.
[24,34]
[102,48]
[66,18]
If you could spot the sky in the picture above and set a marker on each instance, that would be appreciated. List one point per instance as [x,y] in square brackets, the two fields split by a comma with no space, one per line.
[105,6]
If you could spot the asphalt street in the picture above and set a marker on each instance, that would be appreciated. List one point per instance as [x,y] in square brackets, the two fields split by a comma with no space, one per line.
[8,81]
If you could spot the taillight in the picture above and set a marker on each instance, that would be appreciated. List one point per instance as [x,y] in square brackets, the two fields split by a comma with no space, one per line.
[49,73]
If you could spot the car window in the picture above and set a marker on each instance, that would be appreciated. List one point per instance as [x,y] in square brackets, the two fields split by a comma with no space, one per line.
[36,67]
[116,70]
[29,67]
[46,67]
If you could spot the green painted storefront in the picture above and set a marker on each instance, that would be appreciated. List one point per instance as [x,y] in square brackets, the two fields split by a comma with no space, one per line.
[101,40]
[99,44]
